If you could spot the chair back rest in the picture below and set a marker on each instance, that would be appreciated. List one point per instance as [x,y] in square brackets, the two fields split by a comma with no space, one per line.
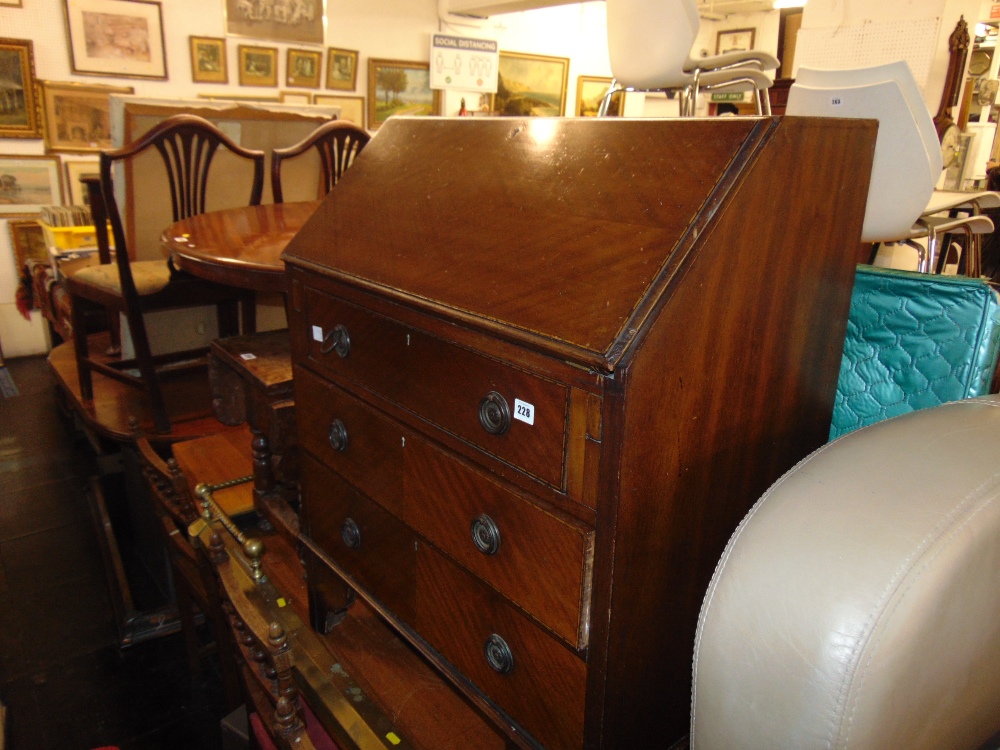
[187,145]
[857,603]
[338,144]
[902,179]
[649,41]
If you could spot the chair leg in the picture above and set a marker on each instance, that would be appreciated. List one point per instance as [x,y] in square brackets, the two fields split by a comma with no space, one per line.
[144,359]
[79,317]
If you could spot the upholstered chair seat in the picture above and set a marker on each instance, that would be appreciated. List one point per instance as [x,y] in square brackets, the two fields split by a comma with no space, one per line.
[150,277]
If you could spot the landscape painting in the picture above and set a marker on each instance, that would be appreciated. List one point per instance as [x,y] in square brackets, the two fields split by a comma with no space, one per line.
[531,85]
[398,87]
[27,183]
[18,106]
[300,21]
[590,91]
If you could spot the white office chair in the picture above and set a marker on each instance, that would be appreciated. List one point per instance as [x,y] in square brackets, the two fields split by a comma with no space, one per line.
[902,203]
[857,605]
[649,43]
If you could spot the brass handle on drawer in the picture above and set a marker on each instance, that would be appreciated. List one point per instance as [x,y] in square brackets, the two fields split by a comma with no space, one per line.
[485,535]
[498,654]
[494,414]
[338,435]
[336,340]
[350,533]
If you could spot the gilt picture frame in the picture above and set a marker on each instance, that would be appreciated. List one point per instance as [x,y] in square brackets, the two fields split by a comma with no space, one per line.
[76,193]
[122,38]
[590,90]
[352,108]
[258,65]
[303,68]
[399,87]
[341,69]
[78,115]
[17,69]
[27,241]
[27,183]
[531,85]
[208,59]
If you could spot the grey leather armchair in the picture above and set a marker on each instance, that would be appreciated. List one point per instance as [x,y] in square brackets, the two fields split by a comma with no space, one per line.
[858,603]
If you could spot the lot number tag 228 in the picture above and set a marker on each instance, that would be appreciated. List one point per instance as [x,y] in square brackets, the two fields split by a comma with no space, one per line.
[524,411]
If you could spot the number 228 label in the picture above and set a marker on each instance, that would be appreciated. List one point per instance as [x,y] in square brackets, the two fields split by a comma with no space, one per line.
[524,411]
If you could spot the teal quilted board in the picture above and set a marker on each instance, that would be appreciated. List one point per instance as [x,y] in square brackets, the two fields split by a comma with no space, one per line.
[913,341]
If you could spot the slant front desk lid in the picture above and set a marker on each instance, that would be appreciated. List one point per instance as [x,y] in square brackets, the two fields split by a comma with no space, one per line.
[561,234]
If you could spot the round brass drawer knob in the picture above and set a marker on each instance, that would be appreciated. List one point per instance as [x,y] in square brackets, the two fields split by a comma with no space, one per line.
[350,534]
[338,435]
[494,413]
[337,340]
[485,535]
[498,654]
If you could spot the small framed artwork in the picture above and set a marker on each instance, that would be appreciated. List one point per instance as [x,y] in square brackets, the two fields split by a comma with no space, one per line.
[399,87]
[28,241]
[294,97]
[76,193]
[352,108]
[531,85]
[590,91]
[27,183]
[303,68]
[19,118]
[734,40]
[258,65]
[208,60]
[293,21]
[116,38]
[342,69]
[78,115]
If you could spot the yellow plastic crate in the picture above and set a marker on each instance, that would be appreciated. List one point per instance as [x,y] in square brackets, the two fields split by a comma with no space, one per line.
[72,238]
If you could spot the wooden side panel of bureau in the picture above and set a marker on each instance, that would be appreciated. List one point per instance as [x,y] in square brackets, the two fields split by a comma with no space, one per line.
[528,430]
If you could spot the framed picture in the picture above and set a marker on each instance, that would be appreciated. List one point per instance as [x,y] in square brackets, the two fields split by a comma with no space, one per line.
[352,108]
[303,68]
[208,60]
[258,65]
[27,183]
[734,40]
[240,98]
[19,118]
[10,4]
[76,193]
[28,241]
[78,115]
[342,69]
[531,85]
[116,38]
[590,90]
[399,87]
[299,22]
[294,97]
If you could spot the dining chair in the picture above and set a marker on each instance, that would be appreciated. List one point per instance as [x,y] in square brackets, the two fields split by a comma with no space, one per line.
[338,144]
[187,145]
[649,43]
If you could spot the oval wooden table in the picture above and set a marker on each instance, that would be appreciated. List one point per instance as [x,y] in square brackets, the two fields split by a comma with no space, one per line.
[238,246]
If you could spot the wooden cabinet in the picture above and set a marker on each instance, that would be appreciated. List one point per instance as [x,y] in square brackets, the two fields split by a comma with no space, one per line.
[543,368]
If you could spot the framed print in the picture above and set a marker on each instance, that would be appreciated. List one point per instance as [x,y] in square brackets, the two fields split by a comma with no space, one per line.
[27,183]
[294,97]
[208,60]
[76,193]
[352,108]
[28,241]
[399,87]
[294,21]
[342,69]
[590,90]
[78,115]
[734,40]
[116,38]
[258,65]
[531,85]
[303,68]
[19,118]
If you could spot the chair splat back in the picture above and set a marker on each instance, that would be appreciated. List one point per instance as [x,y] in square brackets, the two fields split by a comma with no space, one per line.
[338,144]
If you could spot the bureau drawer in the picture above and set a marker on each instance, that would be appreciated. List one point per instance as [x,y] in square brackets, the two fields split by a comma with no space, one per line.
[445,384]
[496,533]
[535,679]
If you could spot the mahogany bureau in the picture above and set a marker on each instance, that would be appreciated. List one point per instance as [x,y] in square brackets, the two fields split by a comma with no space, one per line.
[542,368]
